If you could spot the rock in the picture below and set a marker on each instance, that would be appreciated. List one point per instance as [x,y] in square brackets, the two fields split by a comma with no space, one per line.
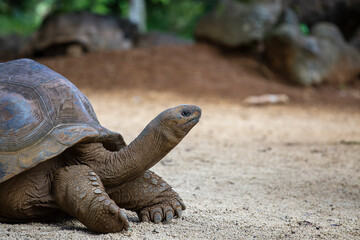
[266,99]
[235,23]
[290,17]
[343,13]
[322,56]
[355,39]
[71,33]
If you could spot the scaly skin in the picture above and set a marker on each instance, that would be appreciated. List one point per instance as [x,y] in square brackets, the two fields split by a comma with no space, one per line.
[74,182]
[27,196]
[158,138]
[79,192]
[150,197]
[71,191]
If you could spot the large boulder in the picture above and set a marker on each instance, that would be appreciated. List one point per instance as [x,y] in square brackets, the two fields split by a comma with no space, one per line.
[322,56]
[355,38]
[236,23]
[75,32]
[343,13]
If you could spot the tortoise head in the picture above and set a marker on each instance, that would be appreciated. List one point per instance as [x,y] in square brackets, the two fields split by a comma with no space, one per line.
[157,139]
[176,122]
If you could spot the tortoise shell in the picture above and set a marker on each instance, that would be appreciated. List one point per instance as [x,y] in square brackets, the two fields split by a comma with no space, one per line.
[91,31]
[41,115]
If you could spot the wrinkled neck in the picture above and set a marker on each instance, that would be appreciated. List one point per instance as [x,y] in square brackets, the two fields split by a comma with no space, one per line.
[153,143]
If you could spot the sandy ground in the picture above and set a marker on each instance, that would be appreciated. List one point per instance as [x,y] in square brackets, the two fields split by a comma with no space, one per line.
[277,172]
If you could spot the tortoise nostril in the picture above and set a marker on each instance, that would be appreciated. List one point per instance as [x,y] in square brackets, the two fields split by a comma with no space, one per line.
[186,112]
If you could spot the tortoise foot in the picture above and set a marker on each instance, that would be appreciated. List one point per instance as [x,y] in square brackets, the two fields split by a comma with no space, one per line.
[150,197]
[163,212]
[79,192]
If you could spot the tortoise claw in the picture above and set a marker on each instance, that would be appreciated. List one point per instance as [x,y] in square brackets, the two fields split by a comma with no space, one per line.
[145,218]
[178,211]
[163,212]
[157,217]
[169,215]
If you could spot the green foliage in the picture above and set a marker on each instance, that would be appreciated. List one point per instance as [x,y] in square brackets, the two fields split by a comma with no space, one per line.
[245,1]
[22,16]
[25,16]
[111,7]
[179,17]
[164,2]
[304,29]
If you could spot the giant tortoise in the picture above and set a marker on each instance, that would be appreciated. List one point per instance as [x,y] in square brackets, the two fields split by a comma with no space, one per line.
[77,32]
[57,160]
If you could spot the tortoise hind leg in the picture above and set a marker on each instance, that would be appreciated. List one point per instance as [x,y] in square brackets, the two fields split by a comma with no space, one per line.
[150,197]
[79,192]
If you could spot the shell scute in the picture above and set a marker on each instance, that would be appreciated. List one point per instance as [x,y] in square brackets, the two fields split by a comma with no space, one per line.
[41,115]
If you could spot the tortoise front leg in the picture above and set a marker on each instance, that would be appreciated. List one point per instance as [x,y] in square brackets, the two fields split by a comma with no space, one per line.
[79,192]
[150,197]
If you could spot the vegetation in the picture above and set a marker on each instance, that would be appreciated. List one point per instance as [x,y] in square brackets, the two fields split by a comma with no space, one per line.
[25,16]
[22,16]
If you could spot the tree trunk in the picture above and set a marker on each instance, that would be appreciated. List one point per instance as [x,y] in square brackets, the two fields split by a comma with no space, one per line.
[137,14]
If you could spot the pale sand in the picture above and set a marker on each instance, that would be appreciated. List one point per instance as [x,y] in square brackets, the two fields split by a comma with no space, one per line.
[278,172]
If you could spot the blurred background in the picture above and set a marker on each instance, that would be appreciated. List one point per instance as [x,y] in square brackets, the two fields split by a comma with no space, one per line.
[276,153]
[25,17]
[271,46]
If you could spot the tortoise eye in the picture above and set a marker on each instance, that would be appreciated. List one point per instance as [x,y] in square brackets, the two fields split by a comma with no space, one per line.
[186,112]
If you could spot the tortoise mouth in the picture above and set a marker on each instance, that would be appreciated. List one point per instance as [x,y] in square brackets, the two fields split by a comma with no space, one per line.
[193,121]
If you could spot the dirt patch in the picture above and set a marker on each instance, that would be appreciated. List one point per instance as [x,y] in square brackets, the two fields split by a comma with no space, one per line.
[280,172]
[198,70]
